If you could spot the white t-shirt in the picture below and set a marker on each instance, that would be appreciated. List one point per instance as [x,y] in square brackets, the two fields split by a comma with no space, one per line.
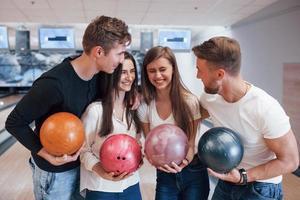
[92,124]
[255,116]
[149,114]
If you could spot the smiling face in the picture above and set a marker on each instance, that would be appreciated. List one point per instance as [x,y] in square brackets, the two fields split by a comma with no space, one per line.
[207,76]
[127,76]
[110,61]
[160,73]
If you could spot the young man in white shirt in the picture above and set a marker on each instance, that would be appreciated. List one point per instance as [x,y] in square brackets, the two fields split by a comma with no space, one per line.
[270,147]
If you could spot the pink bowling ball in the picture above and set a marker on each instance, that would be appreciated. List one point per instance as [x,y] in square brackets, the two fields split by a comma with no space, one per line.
[165,144]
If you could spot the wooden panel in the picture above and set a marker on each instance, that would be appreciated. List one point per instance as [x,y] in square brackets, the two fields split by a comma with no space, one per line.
[291,185]
[291,96]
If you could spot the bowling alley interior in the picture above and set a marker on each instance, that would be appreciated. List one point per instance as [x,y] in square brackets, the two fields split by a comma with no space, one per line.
[37,35]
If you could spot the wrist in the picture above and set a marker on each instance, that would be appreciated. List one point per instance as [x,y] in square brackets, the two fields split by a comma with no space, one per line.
[243,177]
[187,159]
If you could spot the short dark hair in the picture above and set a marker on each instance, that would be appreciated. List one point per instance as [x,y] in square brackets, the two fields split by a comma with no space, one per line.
[106,32]
[224,52]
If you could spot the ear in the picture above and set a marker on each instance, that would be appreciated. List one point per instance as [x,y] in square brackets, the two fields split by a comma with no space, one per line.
[98,51]
[220,73]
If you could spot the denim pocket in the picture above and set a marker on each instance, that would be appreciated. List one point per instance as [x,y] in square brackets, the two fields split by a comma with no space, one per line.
[47,181]
[266,191]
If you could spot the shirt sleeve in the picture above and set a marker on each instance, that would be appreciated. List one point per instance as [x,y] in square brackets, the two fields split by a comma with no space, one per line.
[275,122]
[203,101]
[194,105]
[91,121]
[143,112]
[43,95]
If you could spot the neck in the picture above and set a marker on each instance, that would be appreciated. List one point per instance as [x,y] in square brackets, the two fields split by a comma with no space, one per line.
[119,107]
[163,95]
[119,99]
[84,67]
[233,89]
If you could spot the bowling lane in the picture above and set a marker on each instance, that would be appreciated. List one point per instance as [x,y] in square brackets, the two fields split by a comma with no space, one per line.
[7,101]
[7,104]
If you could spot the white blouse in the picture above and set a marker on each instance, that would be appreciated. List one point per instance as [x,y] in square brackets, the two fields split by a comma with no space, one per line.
[90,156]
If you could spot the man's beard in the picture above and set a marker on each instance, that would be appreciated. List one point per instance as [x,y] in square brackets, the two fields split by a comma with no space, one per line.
[210,90]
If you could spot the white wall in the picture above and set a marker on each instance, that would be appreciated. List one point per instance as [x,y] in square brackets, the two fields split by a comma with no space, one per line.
[188,72]
[187,61]
[269,42]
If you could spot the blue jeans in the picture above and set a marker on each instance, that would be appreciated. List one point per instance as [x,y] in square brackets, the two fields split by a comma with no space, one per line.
[252,191]
[190,184]
[131,193]
[58,186]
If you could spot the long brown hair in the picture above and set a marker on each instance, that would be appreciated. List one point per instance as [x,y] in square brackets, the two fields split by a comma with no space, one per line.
[107,101]
[180,108]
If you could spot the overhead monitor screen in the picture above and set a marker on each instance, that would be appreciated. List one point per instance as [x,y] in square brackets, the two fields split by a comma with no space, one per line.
[56,38]
[3,37]
[176,39]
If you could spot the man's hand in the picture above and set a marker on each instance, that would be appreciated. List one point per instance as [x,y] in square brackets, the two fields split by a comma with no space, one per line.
[59,160]
[232,176]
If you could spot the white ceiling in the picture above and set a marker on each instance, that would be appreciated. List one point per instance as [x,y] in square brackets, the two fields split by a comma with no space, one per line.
[134,12]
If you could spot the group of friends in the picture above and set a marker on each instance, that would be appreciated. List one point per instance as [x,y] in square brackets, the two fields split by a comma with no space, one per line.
[100,87]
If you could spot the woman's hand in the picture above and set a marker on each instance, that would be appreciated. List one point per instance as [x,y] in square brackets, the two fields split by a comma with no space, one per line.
[174,168]
[109,175]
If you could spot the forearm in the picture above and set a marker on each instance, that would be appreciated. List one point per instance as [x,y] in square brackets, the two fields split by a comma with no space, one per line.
[88,159]
[22,132]
[192,138]
[287,158]
[271,169]
[34,106]
[190,153]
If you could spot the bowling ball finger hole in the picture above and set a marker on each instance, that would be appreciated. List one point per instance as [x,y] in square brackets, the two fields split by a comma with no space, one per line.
[123,158]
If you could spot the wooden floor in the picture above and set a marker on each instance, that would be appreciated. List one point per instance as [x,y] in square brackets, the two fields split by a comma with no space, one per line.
[16,184]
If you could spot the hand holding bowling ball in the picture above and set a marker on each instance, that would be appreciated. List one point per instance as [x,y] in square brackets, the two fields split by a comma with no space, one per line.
[62,133]
[120,153]
[220,149]
[112,176]
[165,144]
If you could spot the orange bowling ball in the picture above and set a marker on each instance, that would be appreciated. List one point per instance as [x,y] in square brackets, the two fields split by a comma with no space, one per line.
[62,133]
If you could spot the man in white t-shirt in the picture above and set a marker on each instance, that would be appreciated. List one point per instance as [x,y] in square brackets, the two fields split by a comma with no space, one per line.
[270,147]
